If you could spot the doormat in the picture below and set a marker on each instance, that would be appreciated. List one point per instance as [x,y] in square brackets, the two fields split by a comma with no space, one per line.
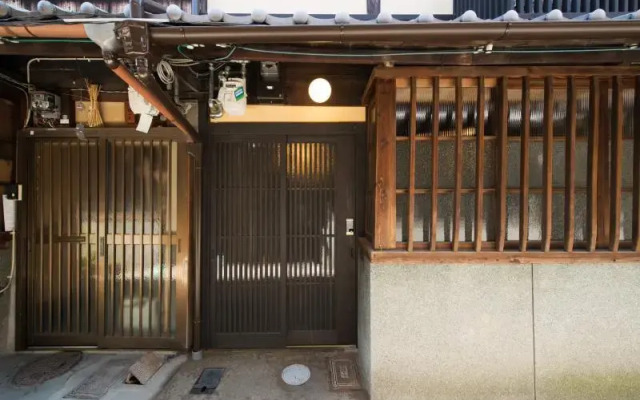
[47,367]
[98,384]
[344,374]
[208,381]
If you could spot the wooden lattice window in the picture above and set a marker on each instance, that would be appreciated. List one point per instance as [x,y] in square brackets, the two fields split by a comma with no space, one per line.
[530,159]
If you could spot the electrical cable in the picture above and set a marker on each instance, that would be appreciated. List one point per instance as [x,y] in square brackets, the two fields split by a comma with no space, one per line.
[165,72]
[23,88]
[424,53]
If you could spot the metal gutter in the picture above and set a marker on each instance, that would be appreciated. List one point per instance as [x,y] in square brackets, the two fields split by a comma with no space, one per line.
[47,31]
[439,33]
[442,34]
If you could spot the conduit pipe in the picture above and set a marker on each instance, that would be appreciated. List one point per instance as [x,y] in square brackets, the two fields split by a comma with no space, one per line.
[157,98]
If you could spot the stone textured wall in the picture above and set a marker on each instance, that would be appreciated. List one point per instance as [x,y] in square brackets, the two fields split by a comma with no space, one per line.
[500,331]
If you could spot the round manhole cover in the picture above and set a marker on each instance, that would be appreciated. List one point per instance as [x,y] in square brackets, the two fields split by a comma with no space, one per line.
[46,367]
[296,374]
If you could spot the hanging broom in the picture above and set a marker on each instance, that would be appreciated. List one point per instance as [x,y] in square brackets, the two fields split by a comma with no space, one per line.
[94,119]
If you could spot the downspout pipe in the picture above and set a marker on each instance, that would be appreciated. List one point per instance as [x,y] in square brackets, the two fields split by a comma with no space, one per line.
[148,88]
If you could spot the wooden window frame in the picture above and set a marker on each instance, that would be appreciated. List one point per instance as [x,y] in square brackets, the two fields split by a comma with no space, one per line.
[602,234]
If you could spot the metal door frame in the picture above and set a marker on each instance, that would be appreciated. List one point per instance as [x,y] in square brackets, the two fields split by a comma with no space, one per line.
[188,253]
[248,131]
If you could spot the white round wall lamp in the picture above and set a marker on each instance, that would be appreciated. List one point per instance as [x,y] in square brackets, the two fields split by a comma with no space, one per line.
[320,90]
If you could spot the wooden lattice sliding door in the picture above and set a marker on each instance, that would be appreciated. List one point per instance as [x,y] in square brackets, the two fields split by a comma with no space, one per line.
[283,272]
[108,263]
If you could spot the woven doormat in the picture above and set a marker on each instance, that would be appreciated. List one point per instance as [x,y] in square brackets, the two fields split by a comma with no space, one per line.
[344,374]
[46,367]
[98,384]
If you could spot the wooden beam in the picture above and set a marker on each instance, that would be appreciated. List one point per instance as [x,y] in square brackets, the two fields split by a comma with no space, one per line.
[547,162]
[412,162]
[636,170]
[457,196]
[480,165]
[502,164]
[505,71]
[399,257]
[592,164]
[524,163]
[617,129]
[434,163]
[385,178]
[570,166]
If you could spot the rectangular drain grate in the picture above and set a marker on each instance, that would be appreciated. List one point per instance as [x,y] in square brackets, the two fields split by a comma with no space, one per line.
[208,381]
[344,374]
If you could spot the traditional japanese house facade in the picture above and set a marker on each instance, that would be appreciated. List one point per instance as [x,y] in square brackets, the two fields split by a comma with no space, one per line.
[465,208]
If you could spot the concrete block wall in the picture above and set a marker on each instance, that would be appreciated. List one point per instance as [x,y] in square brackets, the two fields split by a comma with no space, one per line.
[500,331]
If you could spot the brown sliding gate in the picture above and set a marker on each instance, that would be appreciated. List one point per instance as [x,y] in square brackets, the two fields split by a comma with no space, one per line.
[283,271]
[108,243]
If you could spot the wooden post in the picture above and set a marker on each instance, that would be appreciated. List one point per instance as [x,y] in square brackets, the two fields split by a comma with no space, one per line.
[604,137]
[457,196]
[547,172]
[480,165]
[592,167]
[570,166]
[412,162]
[524,163]
[385,178]
[636,169]
[435,131]
[502,164]
[616,164]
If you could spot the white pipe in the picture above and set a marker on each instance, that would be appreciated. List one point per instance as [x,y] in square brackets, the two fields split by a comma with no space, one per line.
[54,59]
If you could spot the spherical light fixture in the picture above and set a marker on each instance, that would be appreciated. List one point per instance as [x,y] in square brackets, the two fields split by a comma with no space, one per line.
[319,90]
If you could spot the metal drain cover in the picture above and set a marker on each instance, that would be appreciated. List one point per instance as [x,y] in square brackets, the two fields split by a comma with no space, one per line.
[344,374]
[208,381]
[47,367]
[296,374]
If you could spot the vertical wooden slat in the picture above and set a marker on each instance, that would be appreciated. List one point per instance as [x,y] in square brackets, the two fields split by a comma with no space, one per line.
[616,163]
[524,163]
[141,183]
[547,170]
[592,165]
[480,165]
[502,164]
[636,169]
[434,162]
[457,197]
[99,234]
[570,166]
[603,166]
[412,162]
[51,192]
[385,190]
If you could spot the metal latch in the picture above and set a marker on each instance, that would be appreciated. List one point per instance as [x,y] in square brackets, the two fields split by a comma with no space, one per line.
[350,227]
